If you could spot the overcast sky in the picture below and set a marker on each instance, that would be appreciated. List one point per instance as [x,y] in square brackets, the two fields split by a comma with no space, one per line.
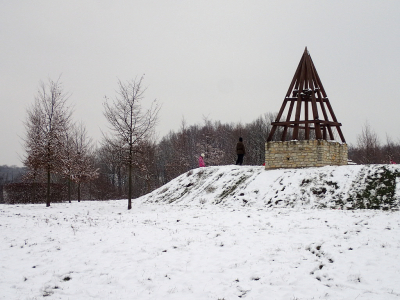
[226,60]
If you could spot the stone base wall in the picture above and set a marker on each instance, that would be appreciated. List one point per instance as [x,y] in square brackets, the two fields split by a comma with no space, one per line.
[302,154]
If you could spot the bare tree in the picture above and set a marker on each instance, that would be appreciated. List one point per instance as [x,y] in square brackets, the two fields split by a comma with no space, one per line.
[390,151]
[130,123]
[48,119]
[80,166]
[369,146]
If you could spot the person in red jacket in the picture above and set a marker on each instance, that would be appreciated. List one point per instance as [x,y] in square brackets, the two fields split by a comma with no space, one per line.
[201,161]
[240,151]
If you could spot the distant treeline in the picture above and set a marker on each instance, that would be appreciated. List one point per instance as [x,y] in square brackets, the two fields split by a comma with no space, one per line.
[371,150]
[156,163]
[9,174]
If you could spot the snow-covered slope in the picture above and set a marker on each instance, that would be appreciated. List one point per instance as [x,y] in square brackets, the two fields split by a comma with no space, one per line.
[343,187]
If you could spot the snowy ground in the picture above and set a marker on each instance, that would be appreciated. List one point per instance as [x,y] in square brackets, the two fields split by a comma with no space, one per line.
[99,250]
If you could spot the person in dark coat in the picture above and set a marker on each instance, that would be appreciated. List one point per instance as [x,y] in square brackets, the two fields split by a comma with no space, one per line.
[240,151]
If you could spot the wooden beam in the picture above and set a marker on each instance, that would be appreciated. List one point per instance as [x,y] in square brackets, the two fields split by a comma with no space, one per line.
[322,122]
[309,66]
[307,130]
[292,84]
[307,100]
[278,117]
[318,80]
[334,119]
[295,135]
[287,120]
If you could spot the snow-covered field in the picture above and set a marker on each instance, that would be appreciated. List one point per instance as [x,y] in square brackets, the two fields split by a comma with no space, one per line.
[99,250]
[214,233]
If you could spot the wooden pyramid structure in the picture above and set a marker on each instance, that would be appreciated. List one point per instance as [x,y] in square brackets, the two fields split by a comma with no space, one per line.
[313,117]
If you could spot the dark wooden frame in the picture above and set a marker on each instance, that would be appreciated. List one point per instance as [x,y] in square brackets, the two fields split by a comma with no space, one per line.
[306,90]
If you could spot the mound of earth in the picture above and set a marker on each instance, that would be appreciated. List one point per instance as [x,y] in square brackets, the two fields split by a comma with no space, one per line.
[336,187]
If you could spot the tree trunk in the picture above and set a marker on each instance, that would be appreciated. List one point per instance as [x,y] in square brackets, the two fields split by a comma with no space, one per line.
[48,188]
[69,189]
[130,187]
[79,191]
[130,179]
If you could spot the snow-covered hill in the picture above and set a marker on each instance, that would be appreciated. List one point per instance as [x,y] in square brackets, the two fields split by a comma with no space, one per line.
[344,187]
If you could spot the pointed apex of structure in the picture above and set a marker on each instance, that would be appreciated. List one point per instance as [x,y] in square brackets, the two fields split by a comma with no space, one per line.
[307,95]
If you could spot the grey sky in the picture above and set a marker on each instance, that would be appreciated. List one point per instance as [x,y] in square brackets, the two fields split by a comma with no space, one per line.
[227,60]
